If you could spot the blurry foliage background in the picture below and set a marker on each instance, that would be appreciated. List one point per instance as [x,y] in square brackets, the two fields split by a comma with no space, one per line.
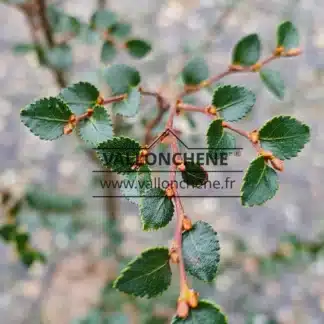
[261,280]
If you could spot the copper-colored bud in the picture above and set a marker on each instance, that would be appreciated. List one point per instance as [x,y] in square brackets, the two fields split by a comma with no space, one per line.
[68,128]
[277,164]
[100,100]
[256,67]
[90,112]
[254,136]
[174,257]
[182,309]
[293,52]
[186,223]
[193,299]
[212,110]
[266,154]
[72,118]
[181,167]
[278,51]
[169,192]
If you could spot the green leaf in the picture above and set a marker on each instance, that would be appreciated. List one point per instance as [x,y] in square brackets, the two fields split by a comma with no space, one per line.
[108,52]
[205,313]
[40,199]
[260,183]
[219,140]
[272,80]
[287,36]
[194,174]
[27,258]
[46,117]
[136,183]
[96,129]
[247,51]
[80,96]
[200,250]
[138,48]
[120,30]
[8,232]
[23,48]
[284,136]
[103,19]
[119,154]
[60,57]
[148,275]
[21,241]
[156,209]
[88,35]
[129,106]
[195,71]
[233,102]
[121,78]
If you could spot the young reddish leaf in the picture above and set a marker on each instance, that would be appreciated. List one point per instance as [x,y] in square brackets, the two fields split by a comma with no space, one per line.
[260,183]
[149,275]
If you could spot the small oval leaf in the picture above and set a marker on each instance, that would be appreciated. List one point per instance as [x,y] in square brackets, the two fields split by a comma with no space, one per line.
[273,81]
[247,51]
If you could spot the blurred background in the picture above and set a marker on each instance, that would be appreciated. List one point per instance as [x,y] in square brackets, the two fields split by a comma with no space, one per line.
[272,257]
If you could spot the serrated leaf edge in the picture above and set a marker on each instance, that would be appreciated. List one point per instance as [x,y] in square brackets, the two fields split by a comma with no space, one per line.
[154,228]
[219,109]
[132,262]
[218,249]
[40,100]
[289,117]
[244,180]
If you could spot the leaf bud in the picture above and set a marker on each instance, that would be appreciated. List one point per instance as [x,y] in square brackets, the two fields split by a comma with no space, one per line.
[193,298]
[254,136]
[100,100]
[277,163]
[174,256]
[186,223]
[181,167]
[169,192]
[182,309]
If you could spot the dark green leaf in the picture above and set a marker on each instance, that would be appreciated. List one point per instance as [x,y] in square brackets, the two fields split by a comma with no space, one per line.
[121,78]
[200,250]
[46,117]
[218,139]
[247,51]
[119,154]
[23,48]
[149,275]
[40,199]
[272,80]
[60,57]
[205,313]
[195,71]
[284,136]
[260,183]
[28,258]
[80,96]
[233,102]
[108,52]
[97,128]
[130,105]
[103,19]
[156,209]
[138,48]
[120,30]
[136,183]
[194,174]
[22,240]
[8,232]
[287,36]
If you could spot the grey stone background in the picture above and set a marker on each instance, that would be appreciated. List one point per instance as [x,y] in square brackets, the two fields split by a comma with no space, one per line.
[296,296]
